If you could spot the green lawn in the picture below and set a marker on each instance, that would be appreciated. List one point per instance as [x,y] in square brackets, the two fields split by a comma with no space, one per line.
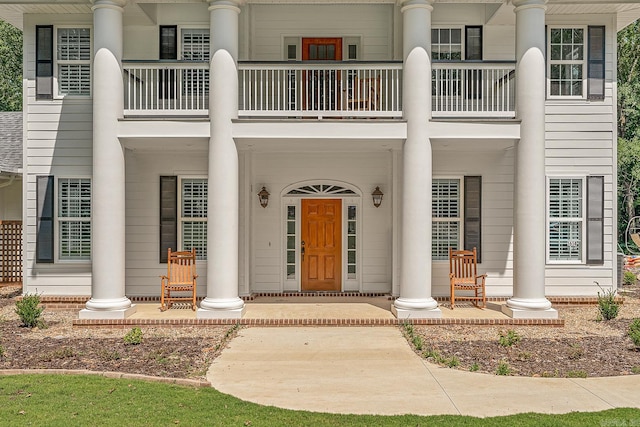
[52,400]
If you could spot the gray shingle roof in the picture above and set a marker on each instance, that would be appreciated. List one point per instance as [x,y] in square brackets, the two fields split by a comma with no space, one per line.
[11,142]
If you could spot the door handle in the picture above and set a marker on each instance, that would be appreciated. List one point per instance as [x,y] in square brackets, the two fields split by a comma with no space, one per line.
[302,250]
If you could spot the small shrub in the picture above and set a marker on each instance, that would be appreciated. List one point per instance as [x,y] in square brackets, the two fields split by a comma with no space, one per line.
[28,311]
[474,367]
[634,332]
[554,374]
[109,355]
[576,352]
[509,338]
[408,328]
[629,278]
[635,369]
[3,352]
[453,362]
[577,374]
[524,356]
[503,368]
[133,337]
[417,342]
[430,353]
[608,307]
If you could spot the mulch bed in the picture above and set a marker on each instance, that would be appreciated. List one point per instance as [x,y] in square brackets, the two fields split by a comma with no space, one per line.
[182,353]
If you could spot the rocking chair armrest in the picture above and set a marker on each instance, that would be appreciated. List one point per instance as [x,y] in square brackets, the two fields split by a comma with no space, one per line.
[195,276]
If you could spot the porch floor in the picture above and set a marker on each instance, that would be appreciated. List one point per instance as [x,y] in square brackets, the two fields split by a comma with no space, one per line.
[320,311]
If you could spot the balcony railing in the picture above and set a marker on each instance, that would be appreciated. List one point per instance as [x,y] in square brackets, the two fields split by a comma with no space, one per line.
[335,89]
[476,89]
[320,89]
[166,88]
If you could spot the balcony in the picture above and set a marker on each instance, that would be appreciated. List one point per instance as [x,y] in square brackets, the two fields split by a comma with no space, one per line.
[473,89]
[320,90]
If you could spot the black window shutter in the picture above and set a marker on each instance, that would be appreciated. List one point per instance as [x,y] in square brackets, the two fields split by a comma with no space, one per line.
[472,214]
[595,220]
[168,42]
[595,63]
[44,222]
[168,215]
[168,50]
[44,61]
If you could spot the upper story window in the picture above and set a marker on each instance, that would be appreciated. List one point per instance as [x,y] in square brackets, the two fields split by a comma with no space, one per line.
[456,44]
[195,44]
[72,68]
[576,62]
[73,46]
[446,44]
[566,61]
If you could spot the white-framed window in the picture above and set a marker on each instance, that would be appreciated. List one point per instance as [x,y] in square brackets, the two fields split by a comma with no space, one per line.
[352,241]
[195,46]
[74,218]
[565,216]
[446,208]
[446,44]
[291,239]
[192,218]
[73,61]
[567,53]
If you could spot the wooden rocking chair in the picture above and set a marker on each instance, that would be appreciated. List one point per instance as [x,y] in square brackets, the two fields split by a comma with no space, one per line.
[366,94]
[463,276]
[181,278]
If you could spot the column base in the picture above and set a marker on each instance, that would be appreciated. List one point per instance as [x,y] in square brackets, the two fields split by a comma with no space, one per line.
[519,313]
[121,313]
[404,313]
[207,313]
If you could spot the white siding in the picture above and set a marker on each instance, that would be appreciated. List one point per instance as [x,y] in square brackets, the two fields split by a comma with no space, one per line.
[59,143]
[271,23]
[580,141]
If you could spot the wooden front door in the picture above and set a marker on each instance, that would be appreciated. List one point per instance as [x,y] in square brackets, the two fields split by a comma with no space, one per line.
[321,241]
[321,88]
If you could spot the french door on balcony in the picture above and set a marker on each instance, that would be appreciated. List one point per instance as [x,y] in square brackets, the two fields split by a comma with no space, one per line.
[321,89]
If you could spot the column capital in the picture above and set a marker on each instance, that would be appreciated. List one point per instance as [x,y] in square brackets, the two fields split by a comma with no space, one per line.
[415,4]
[529,4]
[226,4]
[109,4]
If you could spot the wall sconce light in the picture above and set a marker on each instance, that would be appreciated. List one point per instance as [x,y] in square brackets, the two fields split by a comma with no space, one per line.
[377,197]
[263,196]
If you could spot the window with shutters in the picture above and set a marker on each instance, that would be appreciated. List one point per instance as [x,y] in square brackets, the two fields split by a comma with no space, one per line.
[565,219]
[446,212]
[576,62]
[73,61]
[193,215]
[74,218]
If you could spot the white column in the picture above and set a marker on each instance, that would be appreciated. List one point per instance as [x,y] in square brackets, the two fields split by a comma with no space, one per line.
[415,299]
[108,298]
[222,299]
[528,299]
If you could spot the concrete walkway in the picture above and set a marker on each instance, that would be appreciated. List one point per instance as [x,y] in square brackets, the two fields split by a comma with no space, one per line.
[374,371]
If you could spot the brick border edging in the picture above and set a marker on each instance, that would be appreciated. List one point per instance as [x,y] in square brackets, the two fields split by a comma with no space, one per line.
[108,374]
[124,323]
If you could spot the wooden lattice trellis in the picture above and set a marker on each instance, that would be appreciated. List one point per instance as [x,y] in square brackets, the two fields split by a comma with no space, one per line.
[10,251]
